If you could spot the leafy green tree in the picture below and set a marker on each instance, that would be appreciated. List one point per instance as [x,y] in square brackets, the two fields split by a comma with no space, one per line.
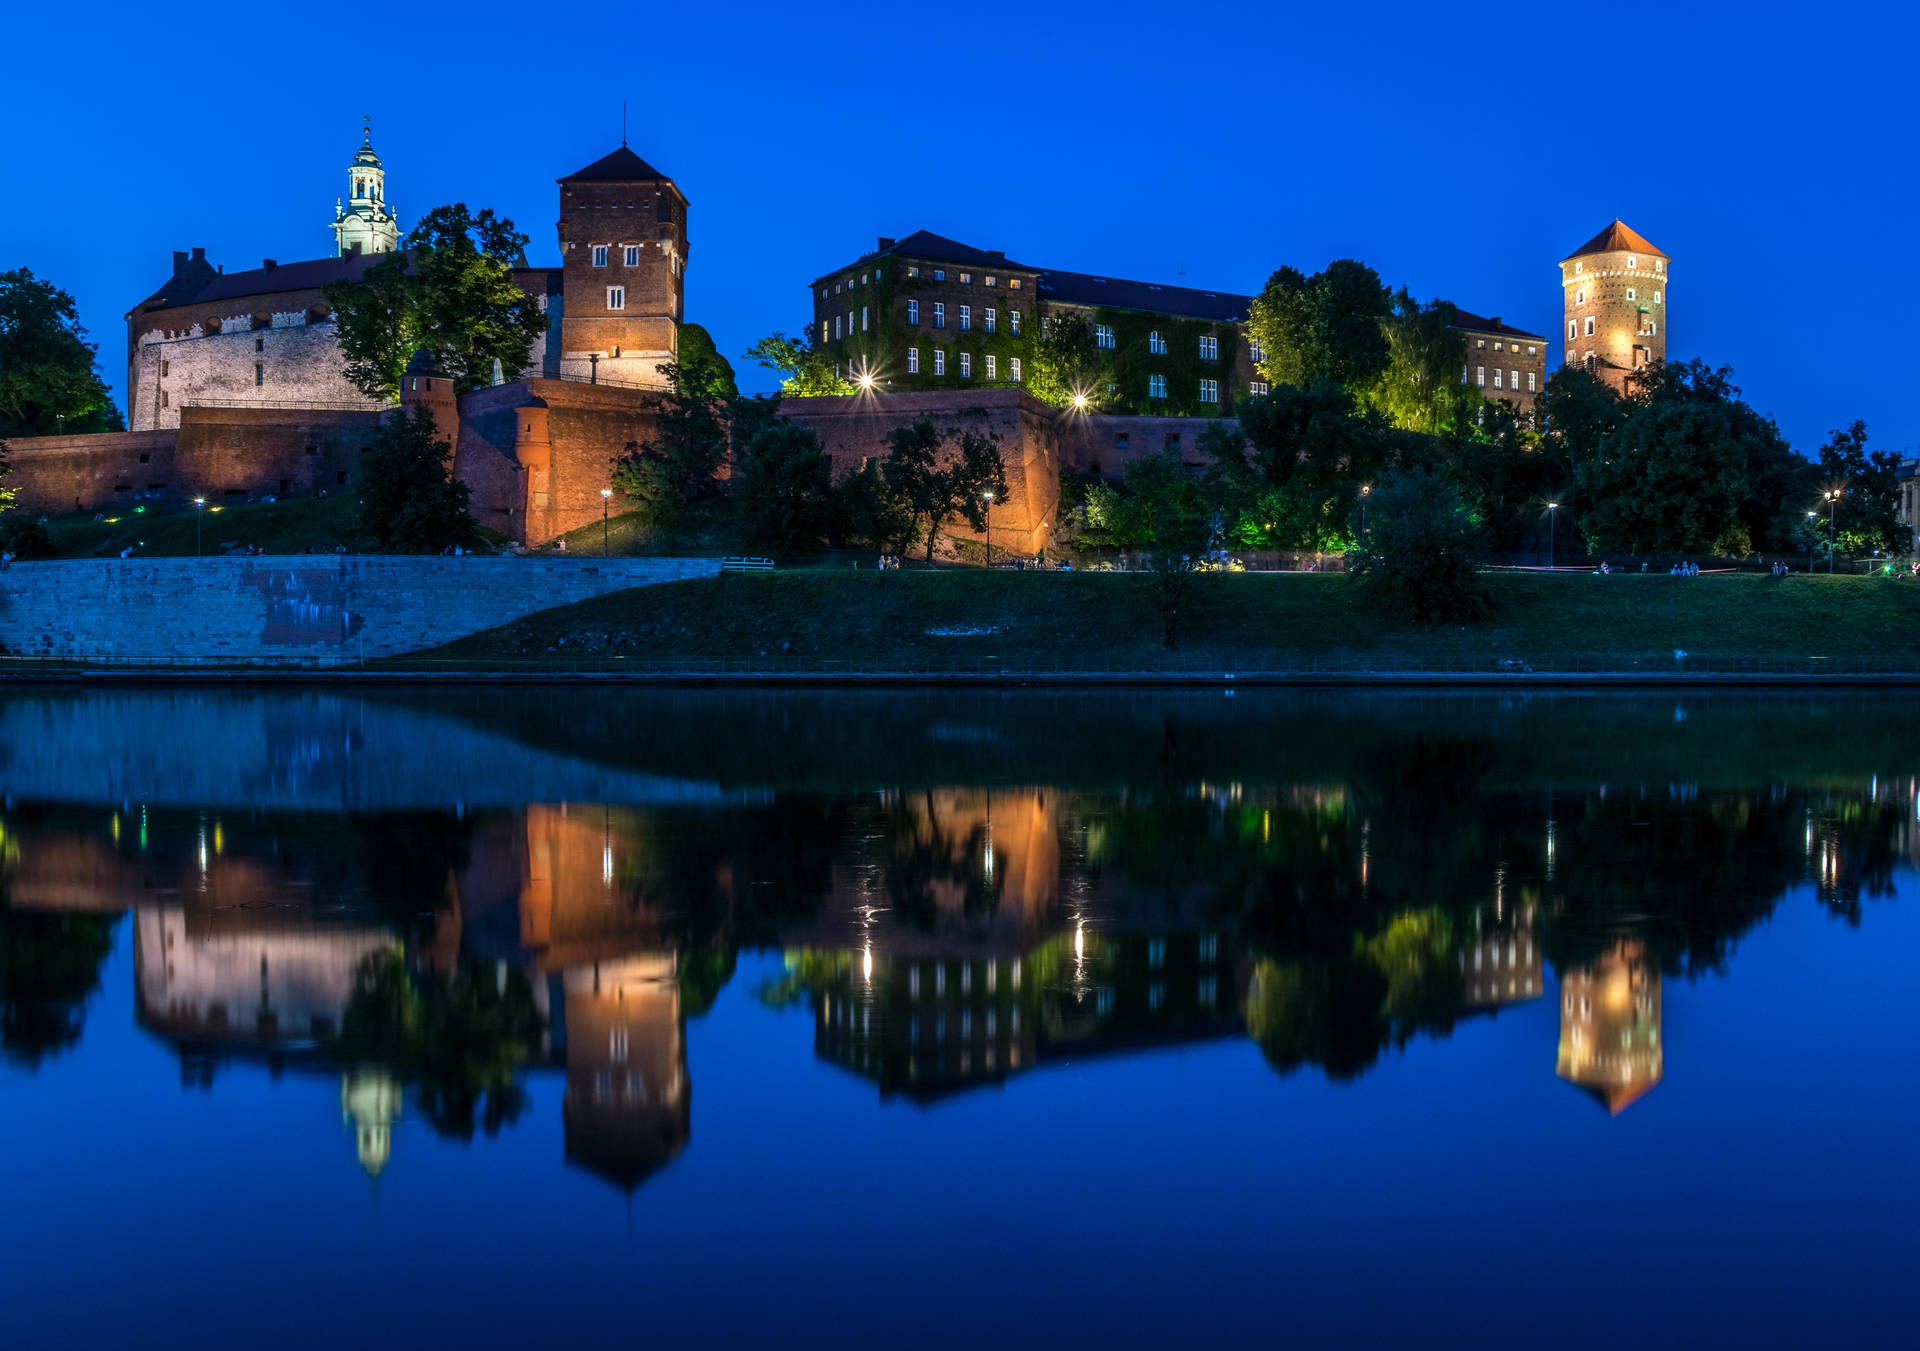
[1672,478]
[449,289]
[409,499]
[25,538]
[47,381]
[1299,461]
[1066,362]
[870,509]
[1867,514]
[784,484]
[939,477]
[1330,326]
[677,464]
[1417,560]
[1172,515]
[1776,480]
[698,352]
[1420,389]
[804,371]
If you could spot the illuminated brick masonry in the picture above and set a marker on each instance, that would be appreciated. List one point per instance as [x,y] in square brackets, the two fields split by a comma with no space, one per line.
[1616,299]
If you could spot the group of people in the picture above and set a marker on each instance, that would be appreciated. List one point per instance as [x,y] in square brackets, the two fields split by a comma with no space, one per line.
[888,563]
[1779,570]
[1684,569]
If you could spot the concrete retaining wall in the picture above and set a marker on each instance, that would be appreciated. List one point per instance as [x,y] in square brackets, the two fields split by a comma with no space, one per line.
[305,610]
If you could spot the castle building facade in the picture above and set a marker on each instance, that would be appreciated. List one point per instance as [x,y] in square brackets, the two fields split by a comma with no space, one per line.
[1504,363]
[1615,291]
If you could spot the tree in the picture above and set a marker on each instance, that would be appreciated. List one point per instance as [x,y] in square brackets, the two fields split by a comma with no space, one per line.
[1066,362]
[871,509]
[937,481]
[47,381]
[1776,480]
[450,290]
[1867,516]
[409,499]
[678,463]
[1299,461]
[1175,520]
[697,351]
[1671,478]
[1417,560]
[1330,326]
[784,483]
[1420,389]
[804,372]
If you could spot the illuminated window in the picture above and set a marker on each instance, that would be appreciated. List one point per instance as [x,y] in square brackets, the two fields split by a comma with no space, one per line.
[1496,377]
[1209,391]
[966,318]
[987,320]
[1209,348]
[1156,386]
[599,255]
[1013,322]
[1013,369]
[913,361]
[913,311]
[823,331]
[863,318]
[913,271]
[992,366]
[1480,376]
[1103,335]
[966,365]
[990,281]
[1013,283]
[1589,325]
[1257,387]
[633,255]
[1571,331]
[616,297]
[1255,350]
[1516,380]
[939,314]
[1156,345]
[966,278]
[939,361]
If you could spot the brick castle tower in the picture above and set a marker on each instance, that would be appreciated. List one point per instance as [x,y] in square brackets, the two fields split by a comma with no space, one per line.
[1615,288]
[623,260]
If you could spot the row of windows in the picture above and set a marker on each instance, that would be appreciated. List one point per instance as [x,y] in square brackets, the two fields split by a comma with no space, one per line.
[1633,263]
[630,254]
[1480,378]
[992,364]
[1580,297]
[939,274]
[1531,349]
[1575,328]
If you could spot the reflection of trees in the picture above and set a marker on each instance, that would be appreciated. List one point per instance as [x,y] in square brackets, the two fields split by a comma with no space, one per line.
[458,1040]
[926,855]
[49,965]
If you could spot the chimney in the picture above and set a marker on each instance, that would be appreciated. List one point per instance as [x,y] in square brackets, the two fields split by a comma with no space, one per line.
[199,255]
[179,261]
[268,264]
[1001,254]
[886,242]
[1494,322]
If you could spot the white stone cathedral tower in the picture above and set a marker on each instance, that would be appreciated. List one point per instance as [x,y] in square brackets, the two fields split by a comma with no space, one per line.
[364,223]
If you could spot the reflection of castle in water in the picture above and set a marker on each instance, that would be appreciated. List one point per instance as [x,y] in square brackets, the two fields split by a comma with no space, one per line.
[1610,1026]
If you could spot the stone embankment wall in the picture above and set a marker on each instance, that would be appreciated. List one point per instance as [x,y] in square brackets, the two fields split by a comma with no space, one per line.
[302,610]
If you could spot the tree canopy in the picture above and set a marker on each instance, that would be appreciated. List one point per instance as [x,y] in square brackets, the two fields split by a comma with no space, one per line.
[48,384]
[409,499]
[450,289]
[939,475]
[1330,326]
[804,371]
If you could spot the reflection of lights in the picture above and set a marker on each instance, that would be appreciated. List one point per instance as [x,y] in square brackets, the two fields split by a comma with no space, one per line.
[866,964]
[606,864]
[988,861]
[1080,943]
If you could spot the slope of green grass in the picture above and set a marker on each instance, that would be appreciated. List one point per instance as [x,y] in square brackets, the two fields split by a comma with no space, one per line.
[285,527]
[914,620]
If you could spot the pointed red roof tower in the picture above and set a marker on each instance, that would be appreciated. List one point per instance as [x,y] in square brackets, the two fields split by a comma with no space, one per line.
[1615,291]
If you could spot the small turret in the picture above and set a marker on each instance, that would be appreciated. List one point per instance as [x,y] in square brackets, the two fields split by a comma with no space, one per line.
[364,223]
[425,384]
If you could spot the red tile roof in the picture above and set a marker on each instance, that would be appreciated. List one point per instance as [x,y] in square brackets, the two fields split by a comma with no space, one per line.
[1617,238]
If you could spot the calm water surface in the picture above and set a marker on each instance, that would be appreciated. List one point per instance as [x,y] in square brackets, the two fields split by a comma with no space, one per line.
[957,1019]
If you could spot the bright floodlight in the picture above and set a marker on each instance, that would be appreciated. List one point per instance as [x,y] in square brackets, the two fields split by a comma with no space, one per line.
[606,492]
[1079,401]
[866,379]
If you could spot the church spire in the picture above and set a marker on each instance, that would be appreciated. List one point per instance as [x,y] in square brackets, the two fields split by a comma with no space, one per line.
[365,223]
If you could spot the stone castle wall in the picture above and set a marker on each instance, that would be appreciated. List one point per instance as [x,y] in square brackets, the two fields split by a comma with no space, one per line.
[1610,289]
[293,611]
[290,363]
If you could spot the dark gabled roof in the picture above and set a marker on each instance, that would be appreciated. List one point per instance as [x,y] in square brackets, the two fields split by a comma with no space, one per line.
[1473,323]
[1616,238]
[620,166]
[1083,288]
[924,246]
[260,281]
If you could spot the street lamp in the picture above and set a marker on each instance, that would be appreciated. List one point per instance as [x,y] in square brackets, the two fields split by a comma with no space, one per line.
[1811,516]
[1553,518]
[199,515]
[606,499]
[989,496]
[1365,489]
[1833,500]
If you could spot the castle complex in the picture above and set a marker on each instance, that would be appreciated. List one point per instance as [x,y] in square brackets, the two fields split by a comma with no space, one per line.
[236,386]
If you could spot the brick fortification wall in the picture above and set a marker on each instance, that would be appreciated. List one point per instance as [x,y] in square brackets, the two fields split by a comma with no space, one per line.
[298,611]
[1095,443]
[56,474]
[854,429]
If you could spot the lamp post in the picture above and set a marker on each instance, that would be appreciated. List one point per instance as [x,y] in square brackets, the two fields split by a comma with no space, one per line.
[199,515]
[593,368]
[989,496]
[606,500]
[1833,500]
[1553,519]
[1811,516]
[1365,489]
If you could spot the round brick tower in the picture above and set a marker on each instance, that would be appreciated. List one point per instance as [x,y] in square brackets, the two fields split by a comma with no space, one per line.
[1615,289]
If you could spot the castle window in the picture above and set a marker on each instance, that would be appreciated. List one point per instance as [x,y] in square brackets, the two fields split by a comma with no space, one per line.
[1480,376]
[1257,387]
[1209,348]
[1571,331]
[1629,293]
[913,311]
[259,344]
[913,271]
[1579,297]
[1633,262]
[616,297]
[599,255]
[633,255]
[836,328]
[1496,377]
[1156,386]
[1013,322]
[1530,349]
[823,331]
[913,361]
[993,367]
[1516,380]
[1013,369]
[163,368]
[939,314]
[966,318]
[1656,297]
[1589,325]
[1255,350]
[966,365]
[1156,345]
[1013,283]
[988,318]
[990,281]
[259,374]
[163,399]
[939,361]
[1209,391]
[1579,268]
[1529,382]
[966,278]
[1496,347]
[1103,336]
[939,274]
[863,318]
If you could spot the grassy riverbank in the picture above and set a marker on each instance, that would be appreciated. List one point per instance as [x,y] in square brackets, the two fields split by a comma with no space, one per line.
[296,525]
[1104,621]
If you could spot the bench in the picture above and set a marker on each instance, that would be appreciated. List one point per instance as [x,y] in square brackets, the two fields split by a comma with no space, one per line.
[746,565]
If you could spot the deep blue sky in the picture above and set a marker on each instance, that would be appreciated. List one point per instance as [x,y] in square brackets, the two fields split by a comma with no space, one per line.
[1461,151]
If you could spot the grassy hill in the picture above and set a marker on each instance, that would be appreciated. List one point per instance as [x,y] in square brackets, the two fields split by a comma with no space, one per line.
[916,620]
[288,527]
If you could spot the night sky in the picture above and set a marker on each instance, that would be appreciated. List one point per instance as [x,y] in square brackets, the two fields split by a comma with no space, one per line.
[1461,150]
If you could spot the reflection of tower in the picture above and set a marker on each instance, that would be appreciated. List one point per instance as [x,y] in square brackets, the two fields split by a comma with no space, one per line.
[626,1106]
[370,1103]
[1503,965]
[1610,1026]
